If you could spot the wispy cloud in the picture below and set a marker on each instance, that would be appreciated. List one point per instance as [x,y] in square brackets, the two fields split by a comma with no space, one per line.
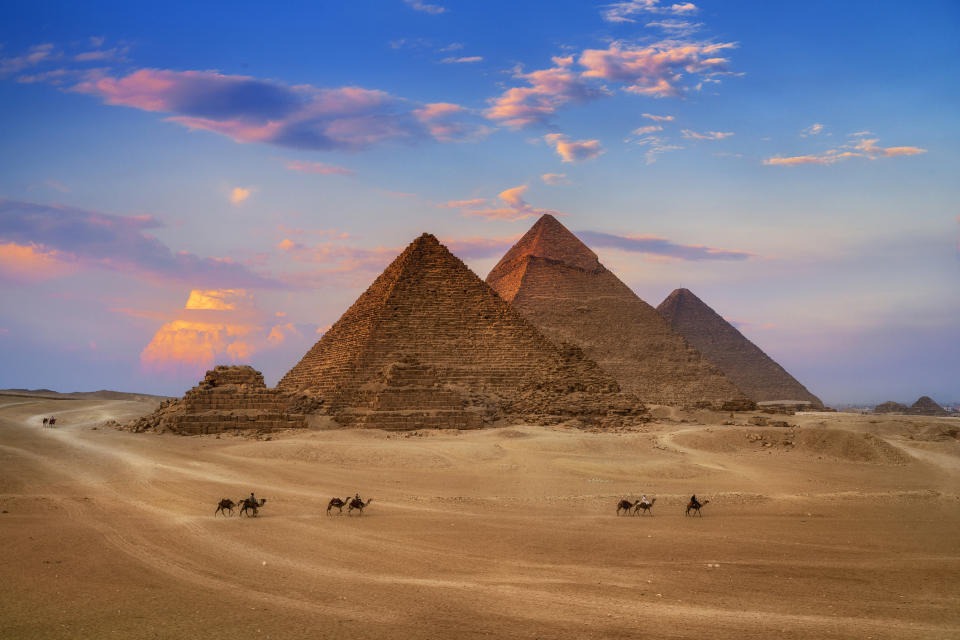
[660,246]
[463,60]
[35,55]
[709,135]
[813,130]
[116,243]
[473,203]
[248,109]
[555,178]
[656,118]
[656,146]
[625,11]
[515,207]
[574,150]
[858,147]
[642,131]
[419,5]
[318,168]
[445,123]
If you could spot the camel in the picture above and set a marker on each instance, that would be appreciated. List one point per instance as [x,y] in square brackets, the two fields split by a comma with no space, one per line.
[52,422]
[644,507]
[45,421]
[338,503]
[625,506]
[357,503]
[696,506]
[225,505]
[246,505]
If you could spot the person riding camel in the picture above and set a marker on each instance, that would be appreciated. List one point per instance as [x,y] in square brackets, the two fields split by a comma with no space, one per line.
[644,500]
[694,501]
[252,499]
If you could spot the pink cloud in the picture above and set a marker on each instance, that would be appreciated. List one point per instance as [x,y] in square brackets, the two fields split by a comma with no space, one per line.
[249,109]
[31,263]
[473,203]
[655,118]
[516,207]
[642,131]
[443,121]
[862,148]
[623,11]
[318,168]
[463,60]
[574,150]
[555,178]
[661,248]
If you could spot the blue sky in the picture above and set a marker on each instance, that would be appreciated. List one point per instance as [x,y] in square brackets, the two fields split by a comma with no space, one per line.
[793,164]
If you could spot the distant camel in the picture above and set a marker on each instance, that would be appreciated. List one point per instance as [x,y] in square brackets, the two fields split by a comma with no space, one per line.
[625,506]
[357,503]
[696,506]
[45,421]
[336,502]
[53,421]
[246,505]
[644,507]
[226,505]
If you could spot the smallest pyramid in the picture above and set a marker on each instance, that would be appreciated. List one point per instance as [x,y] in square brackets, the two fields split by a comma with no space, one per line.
[229,398]
[721,343]
[925,406]
[891,407]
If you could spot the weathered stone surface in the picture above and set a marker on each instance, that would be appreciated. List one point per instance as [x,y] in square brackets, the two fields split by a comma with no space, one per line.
[558,284]
[742,361]
[429,344]
[925,406]
[228,398]
[891,407]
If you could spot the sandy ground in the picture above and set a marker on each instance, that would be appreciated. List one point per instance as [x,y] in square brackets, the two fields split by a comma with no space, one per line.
[849,531]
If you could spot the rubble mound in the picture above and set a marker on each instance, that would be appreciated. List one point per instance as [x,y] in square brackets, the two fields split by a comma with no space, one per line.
[429,344]
[721,343]
[559,285]
[229,398]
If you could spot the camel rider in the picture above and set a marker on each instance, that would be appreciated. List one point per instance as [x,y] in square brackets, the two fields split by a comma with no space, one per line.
[643,499]
[694,501]
[252,499]
[357,498]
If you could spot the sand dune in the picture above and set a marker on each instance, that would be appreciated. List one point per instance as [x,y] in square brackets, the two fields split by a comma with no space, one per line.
[847,532]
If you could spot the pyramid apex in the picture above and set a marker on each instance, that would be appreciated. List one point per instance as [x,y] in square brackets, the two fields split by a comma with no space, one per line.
[549,239]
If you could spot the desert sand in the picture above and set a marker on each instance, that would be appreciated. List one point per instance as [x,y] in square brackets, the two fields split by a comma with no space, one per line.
[843,526]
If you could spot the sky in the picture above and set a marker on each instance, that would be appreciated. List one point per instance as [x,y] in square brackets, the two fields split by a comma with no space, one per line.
[183,184]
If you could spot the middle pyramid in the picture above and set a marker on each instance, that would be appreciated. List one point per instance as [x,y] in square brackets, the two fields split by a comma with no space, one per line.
[430,344]
[558,284]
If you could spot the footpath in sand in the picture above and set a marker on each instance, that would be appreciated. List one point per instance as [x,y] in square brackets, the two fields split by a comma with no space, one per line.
[843,526]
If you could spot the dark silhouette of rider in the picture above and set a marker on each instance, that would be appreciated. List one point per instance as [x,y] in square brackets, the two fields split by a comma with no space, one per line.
[694,501]
[252,499]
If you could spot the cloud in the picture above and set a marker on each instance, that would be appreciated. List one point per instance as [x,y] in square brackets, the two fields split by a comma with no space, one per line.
[30,263]
[100,54]
[318,168]
[549,90]
[239,194]
[812,130]
[650,116]
[861,148]
[656,70]
[555,178]
[656,146]
[465,59]
[676,28]
[35,55]
[623,11]
[250,110]
[473,203]
[516,207]
[709,135]
[54,77]
[574,150]
[215,326]
[642,131]
[116,243]
[419,5]
[443,121]
[660,246]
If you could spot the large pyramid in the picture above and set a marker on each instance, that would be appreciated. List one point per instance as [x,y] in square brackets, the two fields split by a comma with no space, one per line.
[429,344]
[559,285]
[744,362]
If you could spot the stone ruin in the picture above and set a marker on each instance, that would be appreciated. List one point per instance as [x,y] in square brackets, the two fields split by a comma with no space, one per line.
[229,398]
[924,406]
[745,363]
[559,285]
[429,344]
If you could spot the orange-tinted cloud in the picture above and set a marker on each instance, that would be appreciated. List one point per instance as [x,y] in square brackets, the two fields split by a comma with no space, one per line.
[516,207]
[709,135]
[861,148]
[30,263]
[574,150]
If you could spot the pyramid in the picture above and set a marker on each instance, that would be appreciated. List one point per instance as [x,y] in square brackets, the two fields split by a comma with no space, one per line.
[429,344]
[744,362]
[891,407]
[559,285]
[925,406]
[229,398]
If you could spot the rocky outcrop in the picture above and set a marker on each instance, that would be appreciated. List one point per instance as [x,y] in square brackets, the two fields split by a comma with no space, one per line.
[558,284]
[429,344]
[229,398]
[721,343]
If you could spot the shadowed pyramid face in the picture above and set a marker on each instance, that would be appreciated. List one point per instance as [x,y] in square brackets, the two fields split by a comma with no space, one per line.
[557,283]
